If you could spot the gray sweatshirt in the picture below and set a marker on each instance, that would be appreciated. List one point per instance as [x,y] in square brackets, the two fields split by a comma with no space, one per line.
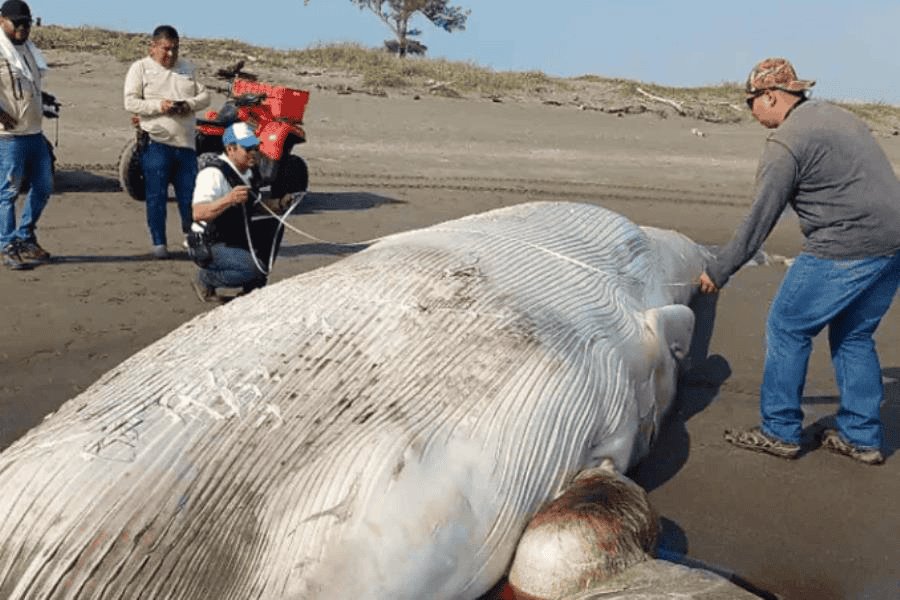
[824,162]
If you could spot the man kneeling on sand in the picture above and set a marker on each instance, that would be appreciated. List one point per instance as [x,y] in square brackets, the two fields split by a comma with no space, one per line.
[234,239]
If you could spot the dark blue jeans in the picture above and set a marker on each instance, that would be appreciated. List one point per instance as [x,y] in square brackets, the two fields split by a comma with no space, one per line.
[162,164]
[850,297]
[21,156]
[232,268]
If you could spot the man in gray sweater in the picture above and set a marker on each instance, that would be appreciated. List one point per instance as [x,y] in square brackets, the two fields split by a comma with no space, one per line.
[823,162]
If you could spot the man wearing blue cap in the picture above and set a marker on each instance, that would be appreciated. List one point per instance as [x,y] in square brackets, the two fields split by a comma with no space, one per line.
[233,246]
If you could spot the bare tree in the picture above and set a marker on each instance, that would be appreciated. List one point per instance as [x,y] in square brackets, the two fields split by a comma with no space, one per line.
[396,14]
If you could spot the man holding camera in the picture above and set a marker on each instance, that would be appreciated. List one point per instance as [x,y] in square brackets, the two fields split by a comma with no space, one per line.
[24,154]
[162,90]
[234,239]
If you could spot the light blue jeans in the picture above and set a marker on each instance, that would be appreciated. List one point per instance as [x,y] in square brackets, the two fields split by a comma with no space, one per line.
[231,268]
[23,156]
[162,163]
[850,297]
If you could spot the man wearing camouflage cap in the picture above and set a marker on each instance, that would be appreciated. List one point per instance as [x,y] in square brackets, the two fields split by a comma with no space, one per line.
[823,162]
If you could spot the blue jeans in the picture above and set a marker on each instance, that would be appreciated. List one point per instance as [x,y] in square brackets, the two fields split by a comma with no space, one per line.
[850,297]
[231,268]
[162,164]
[23,156]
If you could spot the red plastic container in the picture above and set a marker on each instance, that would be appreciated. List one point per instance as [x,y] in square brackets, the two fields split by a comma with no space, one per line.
[282,102]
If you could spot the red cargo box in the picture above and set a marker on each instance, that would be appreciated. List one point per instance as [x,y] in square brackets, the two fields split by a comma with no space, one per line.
[283,102]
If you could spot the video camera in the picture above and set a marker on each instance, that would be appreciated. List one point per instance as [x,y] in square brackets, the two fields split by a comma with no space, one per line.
[50,105]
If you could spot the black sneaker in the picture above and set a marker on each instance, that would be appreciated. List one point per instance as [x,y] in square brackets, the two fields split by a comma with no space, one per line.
[12,259]
[832,440]
[754,439]
[31,250]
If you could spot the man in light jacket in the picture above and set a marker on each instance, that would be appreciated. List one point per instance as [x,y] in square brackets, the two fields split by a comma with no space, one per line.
[162,90]
[24,153]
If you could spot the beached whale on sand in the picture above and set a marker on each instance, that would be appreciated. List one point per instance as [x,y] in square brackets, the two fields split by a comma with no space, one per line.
[384,427]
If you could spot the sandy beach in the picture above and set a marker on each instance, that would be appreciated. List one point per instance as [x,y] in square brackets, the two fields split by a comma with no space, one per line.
[819,527]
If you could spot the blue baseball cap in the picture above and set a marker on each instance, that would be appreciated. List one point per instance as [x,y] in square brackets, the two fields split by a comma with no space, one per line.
[240,133]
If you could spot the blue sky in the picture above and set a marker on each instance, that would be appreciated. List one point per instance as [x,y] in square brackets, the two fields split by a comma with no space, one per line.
[852,49]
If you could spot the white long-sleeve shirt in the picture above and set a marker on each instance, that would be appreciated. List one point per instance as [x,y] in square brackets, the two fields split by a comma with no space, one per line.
[148,83]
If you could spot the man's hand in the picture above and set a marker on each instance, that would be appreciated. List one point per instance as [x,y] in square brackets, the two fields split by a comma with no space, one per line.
[280,205]
[8,121]
[706,284]
[175,107]
[238,195]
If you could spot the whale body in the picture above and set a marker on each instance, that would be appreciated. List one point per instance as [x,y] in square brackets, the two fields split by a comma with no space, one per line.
[383,427]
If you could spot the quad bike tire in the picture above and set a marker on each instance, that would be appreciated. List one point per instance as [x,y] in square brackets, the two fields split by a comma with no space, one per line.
[292,177]
[204,159]
[131,175]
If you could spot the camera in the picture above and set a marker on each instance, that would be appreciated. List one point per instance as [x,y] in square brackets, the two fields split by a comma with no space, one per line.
[50,106]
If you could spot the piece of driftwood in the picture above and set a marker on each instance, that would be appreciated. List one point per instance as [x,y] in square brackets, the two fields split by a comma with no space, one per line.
[676,105]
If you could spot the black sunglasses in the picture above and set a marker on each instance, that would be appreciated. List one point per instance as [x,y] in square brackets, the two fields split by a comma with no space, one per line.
[752,98]
[21,21]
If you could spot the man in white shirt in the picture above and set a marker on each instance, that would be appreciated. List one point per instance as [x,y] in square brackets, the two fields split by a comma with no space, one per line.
[24,153]
[162,90]
[232,243]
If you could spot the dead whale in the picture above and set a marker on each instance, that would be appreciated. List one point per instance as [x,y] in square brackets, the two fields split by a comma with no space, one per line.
[384,427]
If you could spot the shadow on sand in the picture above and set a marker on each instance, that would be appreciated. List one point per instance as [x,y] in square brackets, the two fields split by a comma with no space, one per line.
[697,388]
[316,202]
[83,181]
[116,258]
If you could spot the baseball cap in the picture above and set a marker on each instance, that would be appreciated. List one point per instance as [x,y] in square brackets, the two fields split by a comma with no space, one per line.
[775,74]
[240,133]
[14,8]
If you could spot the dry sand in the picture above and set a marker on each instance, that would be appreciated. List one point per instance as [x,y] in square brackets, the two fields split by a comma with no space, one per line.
[820,527]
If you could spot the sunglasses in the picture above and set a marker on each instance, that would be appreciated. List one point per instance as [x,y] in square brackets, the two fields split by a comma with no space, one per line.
[251,148]
[752,98]
[21,21]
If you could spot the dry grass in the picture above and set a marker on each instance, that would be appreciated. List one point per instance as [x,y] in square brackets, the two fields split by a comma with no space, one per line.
[379,71]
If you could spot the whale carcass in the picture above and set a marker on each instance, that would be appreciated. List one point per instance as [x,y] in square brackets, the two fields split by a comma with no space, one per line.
[384,427]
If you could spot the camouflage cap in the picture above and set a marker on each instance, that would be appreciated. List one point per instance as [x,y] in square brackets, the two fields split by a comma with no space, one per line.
[775,74]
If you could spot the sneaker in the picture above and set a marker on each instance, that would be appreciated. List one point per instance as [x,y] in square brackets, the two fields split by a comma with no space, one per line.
[754,439]
[832,440]
[204,292]
[31,250]
[184,243]
[12,259]
[160,252]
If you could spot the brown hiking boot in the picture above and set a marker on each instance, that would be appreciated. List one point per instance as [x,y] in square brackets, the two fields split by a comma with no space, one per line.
[33,251]
[204,292]
[832,440]
[12,259]
[754,439]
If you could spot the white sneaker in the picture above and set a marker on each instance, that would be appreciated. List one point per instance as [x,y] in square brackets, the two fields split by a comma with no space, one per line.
[184,243]
[160,251]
